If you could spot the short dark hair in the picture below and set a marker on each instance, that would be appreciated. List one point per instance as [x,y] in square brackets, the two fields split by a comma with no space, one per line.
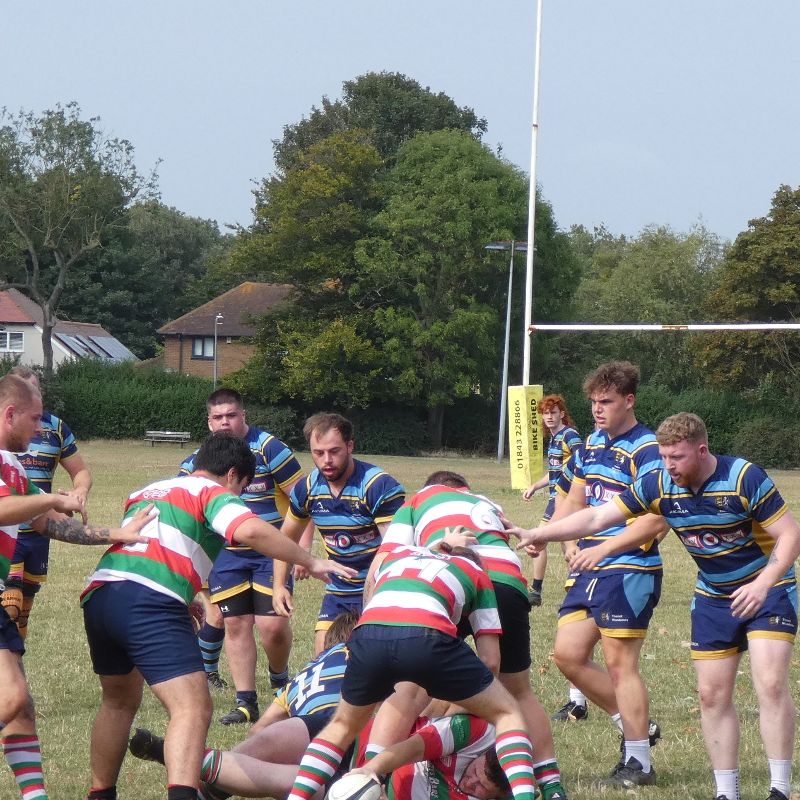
[323,422]
[224,395]
[341,629]
[221,452]
[494,772]
[620,376]
[445,477]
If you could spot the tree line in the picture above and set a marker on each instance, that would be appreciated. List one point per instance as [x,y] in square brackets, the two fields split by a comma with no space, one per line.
[378,212]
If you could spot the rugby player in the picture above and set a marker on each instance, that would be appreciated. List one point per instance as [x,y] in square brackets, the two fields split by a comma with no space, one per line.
[136,615]
[614,604]
[241,582]
[733,521]
[445,503]
[52,445]
[20,501]
[408,632]
[351,502]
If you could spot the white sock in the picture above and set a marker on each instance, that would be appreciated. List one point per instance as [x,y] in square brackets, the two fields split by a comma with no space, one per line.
[617,720]
[577,696]
[640,750]
[373,750]
[780,775]
[727,781]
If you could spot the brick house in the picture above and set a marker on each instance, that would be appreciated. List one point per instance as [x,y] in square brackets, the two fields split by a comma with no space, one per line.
[189,340]
[21,335]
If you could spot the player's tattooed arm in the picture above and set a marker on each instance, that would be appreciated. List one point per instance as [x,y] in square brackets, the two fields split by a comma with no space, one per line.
[74,531]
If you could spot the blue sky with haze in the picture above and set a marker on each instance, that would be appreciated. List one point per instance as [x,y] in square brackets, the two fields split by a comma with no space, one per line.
[651,111]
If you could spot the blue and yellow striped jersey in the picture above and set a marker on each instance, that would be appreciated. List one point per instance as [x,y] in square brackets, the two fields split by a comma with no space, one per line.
[348,523]
[277,469]
[560,447]
[318,686]
[722,526]
[606,467]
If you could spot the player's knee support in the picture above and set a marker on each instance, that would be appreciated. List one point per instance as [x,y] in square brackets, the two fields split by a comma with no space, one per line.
[12,602]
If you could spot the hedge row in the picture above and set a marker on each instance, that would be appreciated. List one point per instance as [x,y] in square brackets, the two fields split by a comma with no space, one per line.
[122,401]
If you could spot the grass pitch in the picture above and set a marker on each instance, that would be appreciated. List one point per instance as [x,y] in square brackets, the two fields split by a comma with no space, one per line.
[67,692]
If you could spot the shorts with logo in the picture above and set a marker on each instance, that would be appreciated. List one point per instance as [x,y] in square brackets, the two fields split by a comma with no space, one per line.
[129,625]
[9,635]
[241,583]
[28,569]
[514,609]
[379,656]
[335,604]
[716,633]
[620,604]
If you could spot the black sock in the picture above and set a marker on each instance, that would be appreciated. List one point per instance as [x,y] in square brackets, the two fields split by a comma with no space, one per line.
[181,793]
[537,585]
[103,794]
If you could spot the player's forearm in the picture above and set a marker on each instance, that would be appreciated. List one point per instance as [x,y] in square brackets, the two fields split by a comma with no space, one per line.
[269,541]
[296,532]
[641,531]
[783,555]
[408,751]
[82,481]
[578,525]
[16,509]
[73,531]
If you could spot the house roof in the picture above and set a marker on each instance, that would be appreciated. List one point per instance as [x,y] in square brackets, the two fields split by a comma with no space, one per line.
[80,338]
[237,306]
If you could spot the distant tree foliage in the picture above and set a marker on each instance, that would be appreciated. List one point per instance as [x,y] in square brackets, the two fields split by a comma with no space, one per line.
[63,187]
[759,282]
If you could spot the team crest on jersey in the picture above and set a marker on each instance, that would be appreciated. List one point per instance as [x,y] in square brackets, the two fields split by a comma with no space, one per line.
[721,502]
[604,616]
[619,460]
[484,516]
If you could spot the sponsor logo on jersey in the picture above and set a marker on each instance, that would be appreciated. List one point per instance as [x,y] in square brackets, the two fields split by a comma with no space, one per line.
[708,539]
[342,541]
[155,494]
[600,493]
[677,508]
[256,487]
[318,508]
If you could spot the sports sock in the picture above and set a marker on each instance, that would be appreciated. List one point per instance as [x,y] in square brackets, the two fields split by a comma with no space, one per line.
[318,766]
[102,794]
[277,680]
[780,775]
[210,640]
[536,584]
[727,783]
[24,616]
[372,750]
[577,696]
[546,772]
[212,764]
[24,756]
[209,792]
[640,750]
[617,720]
[177,792]
[248,698]
[515,754]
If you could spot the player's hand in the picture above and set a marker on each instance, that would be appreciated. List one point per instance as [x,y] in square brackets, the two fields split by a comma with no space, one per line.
[197,614]
[527,494]
[457,537]
[282,603]
[529,538]
[322,569]
[129,532]
[67,503]
[585,560]
[82,496]
[300,573]
[748,599]
[569,549]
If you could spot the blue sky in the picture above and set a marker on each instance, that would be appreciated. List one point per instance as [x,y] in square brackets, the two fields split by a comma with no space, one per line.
[651,111]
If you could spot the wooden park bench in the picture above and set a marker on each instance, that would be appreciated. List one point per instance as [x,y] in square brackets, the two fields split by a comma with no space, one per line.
[167,436]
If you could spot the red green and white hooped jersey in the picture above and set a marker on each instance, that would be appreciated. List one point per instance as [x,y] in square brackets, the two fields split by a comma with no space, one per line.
[451,744]
[424,518]
[415,587]
[13,481]
[195,518]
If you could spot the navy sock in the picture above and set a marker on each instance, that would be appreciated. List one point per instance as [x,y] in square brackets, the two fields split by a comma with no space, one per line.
[246,698]
[181,793]
[103,794]
[537,585]
[210,640]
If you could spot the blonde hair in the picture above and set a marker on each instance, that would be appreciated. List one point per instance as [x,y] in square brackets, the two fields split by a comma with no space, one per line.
[683,427]
[15,391]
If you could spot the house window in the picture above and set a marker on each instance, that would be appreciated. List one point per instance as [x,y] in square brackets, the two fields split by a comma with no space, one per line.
[12,342]
[203,347]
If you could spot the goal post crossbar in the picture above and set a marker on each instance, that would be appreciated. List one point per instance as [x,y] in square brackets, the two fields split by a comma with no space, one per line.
[713,326]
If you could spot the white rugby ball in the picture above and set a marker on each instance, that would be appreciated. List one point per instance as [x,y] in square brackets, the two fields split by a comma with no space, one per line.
[355,786]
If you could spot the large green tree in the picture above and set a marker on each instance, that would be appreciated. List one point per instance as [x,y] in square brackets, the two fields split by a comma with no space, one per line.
[63,185]
[151,269]
[759,282]
[389,106]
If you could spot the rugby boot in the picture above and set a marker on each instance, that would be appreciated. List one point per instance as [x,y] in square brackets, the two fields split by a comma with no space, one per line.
[146,745]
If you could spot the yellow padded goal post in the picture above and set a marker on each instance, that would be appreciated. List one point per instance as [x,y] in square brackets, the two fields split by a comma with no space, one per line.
[525,435]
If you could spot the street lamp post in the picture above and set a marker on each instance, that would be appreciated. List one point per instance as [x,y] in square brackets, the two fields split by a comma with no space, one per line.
[217,322]
[514,247]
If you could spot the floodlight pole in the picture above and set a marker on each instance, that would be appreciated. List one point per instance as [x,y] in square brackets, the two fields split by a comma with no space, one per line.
[501,429]
[217,322]
[526,346]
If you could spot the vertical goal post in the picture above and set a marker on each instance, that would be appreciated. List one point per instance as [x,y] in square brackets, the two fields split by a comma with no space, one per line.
[525,427]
